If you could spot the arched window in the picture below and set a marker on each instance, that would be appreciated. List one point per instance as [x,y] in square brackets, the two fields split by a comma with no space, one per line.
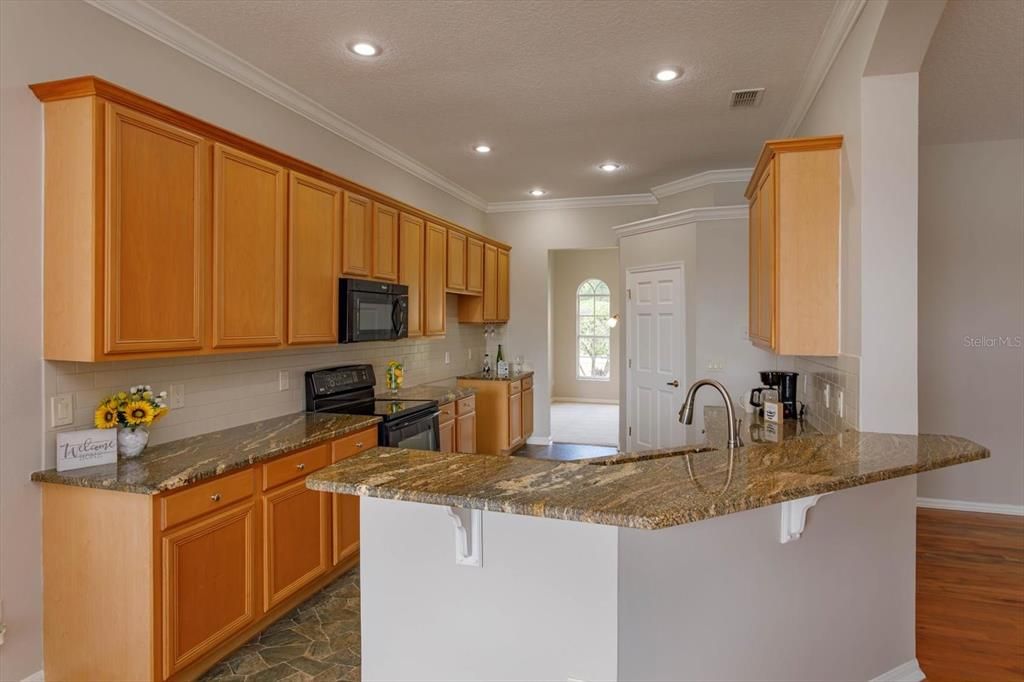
[593,337]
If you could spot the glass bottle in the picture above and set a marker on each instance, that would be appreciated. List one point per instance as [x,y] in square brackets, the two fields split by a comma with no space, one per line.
[487,364]
[501,356]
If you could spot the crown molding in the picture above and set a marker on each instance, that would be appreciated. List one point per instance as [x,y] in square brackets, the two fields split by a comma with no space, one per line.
[642,199]
[154,23]
[840,23]
[712,177]
[679,218]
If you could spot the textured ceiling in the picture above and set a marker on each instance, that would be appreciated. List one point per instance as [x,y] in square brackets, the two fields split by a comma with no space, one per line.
[972,78]
[555,87]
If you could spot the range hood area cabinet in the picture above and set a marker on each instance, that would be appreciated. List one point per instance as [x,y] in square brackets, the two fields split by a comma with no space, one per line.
[794,197]
[168,236]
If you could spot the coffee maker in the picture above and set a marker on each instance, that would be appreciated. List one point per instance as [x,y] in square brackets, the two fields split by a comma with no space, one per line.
[784,386]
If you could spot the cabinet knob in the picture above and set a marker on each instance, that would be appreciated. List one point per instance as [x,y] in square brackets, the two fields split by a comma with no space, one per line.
[300,467]
[359,444]
[215,497]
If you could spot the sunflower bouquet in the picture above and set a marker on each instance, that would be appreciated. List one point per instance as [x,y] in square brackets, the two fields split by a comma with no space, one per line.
[133,411]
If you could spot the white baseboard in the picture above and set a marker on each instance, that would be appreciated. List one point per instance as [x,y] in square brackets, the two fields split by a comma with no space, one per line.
[908,672]
[35,677]
[967,506]
[589,401]
[539,440]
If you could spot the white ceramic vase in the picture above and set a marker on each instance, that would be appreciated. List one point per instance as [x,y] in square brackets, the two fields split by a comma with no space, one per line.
[132,441]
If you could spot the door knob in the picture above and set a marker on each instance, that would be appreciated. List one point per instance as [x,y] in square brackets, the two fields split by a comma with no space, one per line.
[673,384]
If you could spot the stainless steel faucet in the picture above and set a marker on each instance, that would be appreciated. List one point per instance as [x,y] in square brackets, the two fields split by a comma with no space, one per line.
[686,411]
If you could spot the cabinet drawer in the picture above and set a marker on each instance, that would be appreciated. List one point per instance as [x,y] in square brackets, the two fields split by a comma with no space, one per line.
[205,497]
[354,444]
[515,387]
[290,467]
[527,383]
[447,412]
[466,405]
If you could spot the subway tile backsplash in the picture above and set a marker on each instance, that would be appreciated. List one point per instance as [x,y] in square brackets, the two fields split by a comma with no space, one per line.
[222,391]
[831,375]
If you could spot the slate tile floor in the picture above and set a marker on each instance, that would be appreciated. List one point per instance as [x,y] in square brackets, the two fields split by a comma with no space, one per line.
[317,641]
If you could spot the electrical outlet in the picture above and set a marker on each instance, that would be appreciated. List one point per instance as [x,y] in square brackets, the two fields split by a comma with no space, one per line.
[282,380]
[62,410]
[447,358]
[177,395]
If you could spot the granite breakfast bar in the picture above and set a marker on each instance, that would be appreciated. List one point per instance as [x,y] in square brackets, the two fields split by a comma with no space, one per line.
[701,563]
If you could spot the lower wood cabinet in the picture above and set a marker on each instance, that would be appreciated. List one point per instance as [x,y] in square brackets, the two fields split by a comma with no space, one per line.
[162,587]
[465,425]
[503,415]
[527,412]
[446,436]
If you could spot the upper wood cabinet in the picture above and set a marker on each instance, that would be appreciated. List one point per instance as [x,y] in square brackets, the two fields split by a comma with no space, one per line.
[314,257]
[357,236]
[456,261]
[154,234]
[385,243]
[503,300]
[434,280]
[483,309]
[168,236]
[794,197]
[411,235]
[248,250]
[474,266]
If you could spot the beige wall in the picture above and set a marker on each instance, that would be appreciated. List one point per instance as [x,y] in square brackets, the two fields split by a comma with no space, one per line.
[42,41]
[533,235]
[971,275]
[718,194]
[569,268]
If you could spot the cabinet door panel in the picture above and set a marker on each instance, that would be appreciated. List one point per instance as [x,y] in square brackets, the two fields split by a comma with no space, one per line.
[385,243]
[248,250]
[208,582]
[465,433]
[766,260]
[357,236]
[434,281]
[295,540]
[346,507]
[314,245]
[503,286]
[515,419]
[527,413]
[754,236]
[474,266]
[154,234]
[410,268]
[490,283]
[456,261]
[447,436]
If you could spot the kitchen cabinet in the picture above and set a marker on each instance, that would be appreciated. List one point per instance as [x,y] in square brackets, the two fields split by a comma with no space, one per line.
[296,542]
[474,266]
[434,280]
[345,508]
[794,198]
[314,259]
[446,435]
[412,232]
[241,243]
[456,261]
[502,425]
[465,425]
[385,243]
[357,236]
[502,293]
[248,250]
[484,309]
[208,583]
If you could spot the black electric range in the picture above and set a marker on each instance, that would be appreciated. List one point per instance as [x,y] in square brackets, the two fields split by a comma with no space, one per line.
[349,389]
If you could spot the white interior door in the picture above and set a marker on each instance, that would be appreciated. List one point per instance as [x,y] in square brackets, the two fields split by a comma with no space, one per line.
[656,357]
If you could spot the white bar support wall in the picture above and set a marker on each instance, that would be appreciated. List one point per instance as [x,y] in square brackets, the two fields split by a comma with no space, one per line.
[469,535]
[794,517]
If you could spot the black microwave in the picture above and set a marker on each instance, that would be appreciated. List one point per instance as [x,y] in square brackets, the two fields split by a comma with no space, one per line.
[372,311]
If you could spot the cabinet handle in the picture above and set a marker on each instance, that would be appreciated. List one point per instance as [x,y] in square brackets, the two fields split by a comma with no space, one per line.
[300,467]
[215,497]
[359,444]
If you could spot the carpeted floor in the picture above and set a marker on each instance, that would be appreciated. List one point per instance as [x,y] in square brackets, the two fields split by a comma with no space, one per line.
[588,423]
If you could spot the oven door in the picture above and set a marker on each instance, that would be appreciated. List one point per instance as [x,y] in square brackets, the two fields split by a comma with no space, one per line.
[373,315]
[419,432]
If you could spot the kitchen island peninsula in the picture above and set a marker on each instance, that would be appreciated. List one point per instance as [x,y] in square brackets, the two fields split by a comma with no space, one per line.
[700,563]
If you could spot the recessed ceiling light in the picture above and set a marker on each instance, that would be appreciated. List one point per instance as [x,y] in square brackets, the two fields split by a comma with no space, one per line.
[537,192]
[610,166]
[482,149]
[364,49]
[667,74]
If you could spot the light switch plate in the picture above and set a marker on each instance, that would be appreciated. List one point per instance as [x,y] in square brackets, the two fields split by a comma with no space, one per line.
[447,358]
[282,380]
[62,410]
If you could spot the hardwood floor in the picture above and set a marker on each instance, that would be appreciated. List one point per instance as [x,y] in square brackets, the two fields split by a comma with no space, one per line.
[565,452]
[970,596]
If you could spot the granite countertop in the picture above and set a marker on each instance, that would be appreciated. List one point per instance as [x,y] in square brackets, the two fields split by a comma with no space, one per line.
[668,490]
[493,376]
[179,463]
[443,394]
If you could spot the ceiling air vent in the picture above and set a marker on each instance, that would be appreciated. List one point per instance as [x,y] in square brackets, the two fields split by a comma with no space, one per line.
[750,97]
